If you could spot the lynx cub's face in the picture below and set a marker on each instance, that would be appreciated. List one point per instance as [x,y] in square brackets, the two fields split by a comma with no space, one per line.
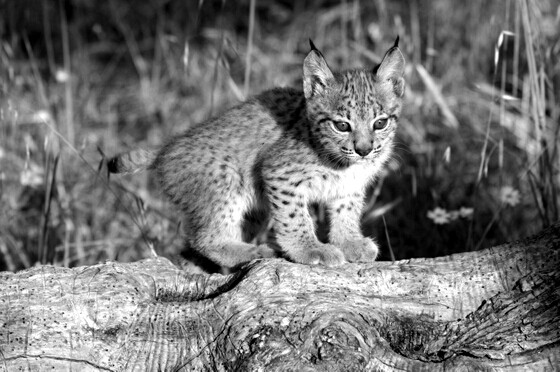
[354,113]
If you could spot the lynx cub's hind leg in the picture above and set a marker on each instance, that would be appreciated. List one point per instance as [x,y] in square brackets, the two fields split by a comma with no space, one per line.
[219,235]
[213,200]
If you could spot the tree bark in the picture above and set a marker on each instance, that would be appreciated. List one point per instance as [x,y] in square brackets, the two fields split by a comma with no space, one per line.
[495,309]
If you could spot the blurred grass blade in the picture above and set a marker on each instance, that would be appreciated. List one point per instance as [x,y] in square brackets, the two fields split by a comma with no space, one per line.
[249,47]
[449,118]
[388,239]
[499,45]
[544,184]
[68,96]
[186,56]
[6,256]
[380,211]
[49,194]
[447,155]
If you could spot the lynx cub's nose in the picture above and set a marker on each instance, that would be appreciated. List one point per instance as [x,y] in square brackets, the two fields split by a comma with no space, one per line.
[363,149]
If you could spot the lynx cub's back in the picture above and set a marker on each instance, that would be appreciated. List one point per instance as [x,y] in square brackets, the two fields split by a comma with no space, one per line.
[278,152]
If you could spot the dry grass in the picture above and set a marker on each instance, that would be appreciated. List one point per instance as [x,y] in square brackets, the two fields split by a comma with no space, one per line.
[79,81]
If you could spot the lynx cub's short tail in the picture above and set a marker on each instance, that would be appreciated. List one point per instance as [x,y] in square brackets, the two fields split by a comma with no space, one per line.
[131,162]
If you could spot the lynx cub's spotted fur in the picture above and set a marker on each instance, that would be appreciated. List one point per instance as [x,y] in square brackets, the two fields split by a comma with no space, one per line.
[278,152]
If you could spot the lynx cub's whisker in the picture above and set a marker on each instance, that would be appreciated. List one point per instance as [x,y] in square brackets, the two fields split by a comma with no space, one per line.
[275,154]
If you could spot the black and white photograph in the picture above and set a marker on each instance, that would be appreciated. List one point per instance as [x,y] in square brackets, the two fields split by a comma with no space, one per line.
[254,185]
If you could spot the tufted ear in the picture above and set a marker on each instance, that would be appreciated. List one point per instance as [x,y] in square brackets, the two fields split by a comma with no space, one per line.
[316,72]
[392,68]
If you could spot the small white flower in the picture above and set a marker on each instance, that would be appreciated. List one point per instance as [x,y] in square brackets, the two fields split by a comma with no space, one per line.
[509,196]
[62,76]
[439,216]
[465,212]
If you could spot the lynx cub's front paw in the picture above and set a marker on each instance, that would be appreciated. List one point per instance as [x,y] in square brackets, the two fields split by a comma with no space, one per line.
[323,254]
[360,250]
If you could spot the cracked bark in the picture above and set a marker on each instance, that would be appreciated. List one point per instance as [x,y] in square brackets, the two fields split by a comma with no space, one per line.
[493,309]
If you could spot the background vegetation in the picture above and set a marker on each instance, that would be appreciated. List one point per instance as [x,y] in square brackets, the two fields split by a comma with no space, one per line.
[477,159]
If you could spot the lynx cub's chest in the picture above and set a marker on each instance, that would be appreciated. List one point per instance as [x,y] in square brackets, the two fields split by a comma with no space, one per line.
[277,153]
[328,186]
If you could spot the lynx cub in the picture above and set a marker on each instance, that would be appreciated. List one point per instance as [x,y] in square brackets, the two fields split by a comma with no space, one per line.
[278,152]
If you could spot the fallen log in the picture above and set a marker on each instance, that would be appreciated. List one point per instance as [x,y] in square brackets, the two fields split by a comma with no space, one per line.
[496,309]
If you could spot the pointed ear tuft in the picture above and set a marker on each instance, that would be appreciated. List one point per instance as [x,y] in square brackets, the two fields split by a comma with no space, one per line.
[392,69]
[316,72]
[311,45]
[396,44]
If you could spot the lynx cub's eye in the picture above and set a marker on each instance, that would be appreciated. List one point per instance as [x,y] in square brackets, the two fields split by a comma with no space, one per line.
[342,126]
[380,123]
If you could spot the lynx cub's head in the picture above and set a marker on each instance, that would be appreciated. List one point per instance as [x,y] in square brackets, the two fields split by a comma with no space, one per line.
[354,113]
